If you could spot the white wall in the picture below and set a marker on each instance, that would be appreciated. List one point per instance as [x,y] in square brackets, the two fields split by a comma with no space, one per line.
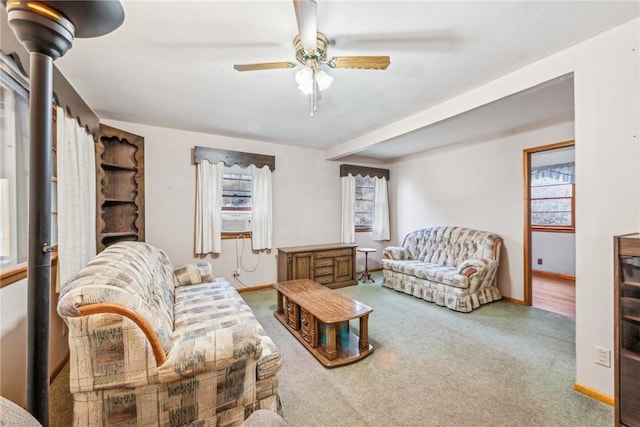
[480,186]
[13,339]
[306,200]
[472,185]
[556,250]
[13,348]
[607,100]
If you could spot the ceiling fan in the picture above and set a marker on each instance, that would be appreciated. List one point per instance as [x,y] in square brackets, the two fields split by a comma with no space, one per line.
[311,52]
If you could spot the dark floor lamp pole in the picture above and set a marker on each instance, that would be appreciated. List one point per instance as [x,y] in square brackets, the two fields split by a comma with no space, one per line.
[39,271]
[47,30]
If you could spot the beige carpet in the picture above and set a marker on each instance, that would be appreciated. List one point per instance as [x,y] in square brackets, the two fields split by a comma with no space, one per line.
[501,365]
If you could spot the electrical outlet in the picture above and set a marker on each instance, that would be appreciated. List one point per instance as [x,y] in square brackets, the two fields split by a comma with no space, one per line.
[236,272]
[539,261]
[603,356]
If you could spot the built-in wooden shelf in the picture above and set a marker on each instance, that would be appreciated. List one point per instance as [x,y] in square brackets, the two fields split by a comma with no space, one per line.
[120,187]
[107,165]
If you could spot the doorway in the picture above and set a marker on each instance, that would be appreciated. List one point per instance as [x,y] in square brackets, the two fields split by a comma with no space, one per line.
[549,250]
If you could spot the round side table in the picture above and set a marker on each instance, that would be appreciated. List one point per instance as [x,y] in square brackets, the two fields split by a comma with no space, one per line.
[366,276]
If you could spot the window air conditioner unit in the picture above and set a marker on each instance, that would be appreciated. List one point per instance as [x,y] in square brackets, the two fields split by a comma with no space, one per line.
[236,222]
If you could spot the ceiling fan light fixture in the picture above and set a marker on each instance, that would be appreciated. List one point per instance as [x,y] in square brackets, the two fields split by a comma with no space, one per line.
[304,78]
[324,80]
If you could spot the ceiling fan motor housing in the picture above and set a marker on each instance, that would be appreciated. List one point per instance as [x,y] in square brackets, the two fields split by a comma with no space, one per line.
[312,57]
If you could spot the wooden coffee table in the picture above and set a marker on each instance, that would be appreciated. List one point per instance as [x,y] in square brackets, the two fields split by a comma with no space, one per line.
[319,318]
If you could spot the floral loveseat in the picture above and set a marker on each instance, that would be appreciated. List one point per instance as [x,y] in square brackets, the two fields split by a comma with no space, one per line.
[154,346]
[452,266]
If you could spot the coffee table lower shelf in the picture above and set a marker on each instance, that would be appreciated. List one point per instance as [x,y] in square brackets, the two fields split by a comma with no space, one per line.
[345,354]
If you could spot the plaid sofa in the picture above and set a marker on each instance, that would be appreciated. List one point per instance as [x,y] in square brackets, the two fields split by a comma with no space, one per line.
[154,346]
[454,267]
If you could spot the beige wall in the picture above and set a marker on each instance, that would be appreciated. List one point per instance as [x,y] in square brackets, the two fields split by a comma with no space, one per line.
[13,341]
[607,99]
[447,186]
[306,199]
[472,185]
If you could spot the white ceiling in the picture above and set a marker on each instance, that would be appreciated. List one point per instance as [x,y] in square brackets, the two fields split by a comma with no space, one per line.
[171,65]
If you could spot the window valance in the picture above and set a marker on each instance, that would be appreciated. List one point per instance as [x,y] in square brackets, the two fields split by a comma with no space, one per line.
[231,158]
[354,170]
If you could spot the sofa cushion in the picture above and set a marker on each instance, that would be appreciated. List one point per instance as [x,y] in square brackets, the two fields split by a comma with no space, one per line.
[216,305]
[192,274]
[424,270]
[405,267]
[441,274]
[449,246]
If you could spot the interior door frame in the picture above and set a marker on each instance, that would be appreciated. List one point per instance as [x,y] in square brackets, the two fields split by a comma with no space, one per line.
[526,161]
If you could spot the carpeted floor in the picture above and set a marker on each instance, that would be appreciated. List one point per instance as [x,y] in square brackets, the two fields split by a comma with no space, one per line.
[501,365]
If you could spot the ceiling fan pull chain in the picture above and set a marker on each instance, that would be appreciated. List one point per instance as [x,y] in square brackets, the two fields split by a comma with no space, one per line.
[314,93]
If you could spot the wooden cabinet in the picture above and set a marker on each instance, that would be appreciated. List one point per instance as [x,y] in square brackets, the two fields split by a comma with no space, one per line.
[332,265]
[119,187]
[627,329]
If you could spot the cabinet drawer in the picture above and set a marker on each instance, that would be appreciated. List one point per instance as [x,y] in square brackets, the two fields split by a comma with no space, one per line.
[308,327]
[324,279]
[322,262]
[323,271]
[332,253]
[292,313]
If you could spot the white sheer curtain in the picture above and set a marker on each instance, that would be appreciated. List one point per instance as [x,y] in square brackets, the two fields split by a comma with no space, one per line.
[261,209]
[76,196]
[380,226]
[208,207]
[348,209]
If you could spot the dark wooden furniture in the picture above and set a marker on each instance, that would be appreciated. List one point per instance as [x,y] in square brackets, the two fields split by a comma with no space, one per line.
[120,187]
[627,329]
[319,318]
[332,265]
[366,275]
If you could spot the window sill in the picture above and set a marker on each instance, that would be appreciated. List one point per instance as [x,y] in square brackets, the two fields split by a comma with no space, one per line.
[13,274]
[553,229]
[18,272]
[229,236]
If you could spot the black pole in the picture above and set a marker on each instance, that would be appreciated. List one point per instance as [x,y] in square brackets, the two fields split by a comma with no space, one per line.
[39,262]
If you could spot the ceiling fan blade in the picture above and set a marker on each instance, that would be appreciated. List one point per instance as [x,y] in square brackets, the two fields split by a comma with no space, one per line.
[360,62]
[264,66]
[306,15]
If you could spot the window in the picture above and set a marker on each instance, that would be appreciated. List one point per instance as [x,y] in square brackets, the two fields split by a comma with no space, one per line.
[553,198]
[14,170]
[364,203]
[236,201]
[236,189]
[245,202]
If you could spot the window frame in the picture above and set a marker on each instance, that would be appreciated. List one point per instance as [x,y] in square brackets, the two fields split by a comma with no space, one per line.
[571,228]
[236,209]
[365,228]
[231,170]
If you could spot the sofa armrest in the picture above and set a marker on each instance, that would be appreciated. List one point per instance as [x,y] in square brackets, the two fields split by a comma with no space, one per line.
[214,350]
[477,266]
[192,274]
[396,253]
[147,329]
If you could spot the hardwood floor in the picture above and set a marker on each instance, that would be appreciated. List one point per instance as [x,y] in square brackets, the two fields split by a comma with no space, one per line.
[556,295]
